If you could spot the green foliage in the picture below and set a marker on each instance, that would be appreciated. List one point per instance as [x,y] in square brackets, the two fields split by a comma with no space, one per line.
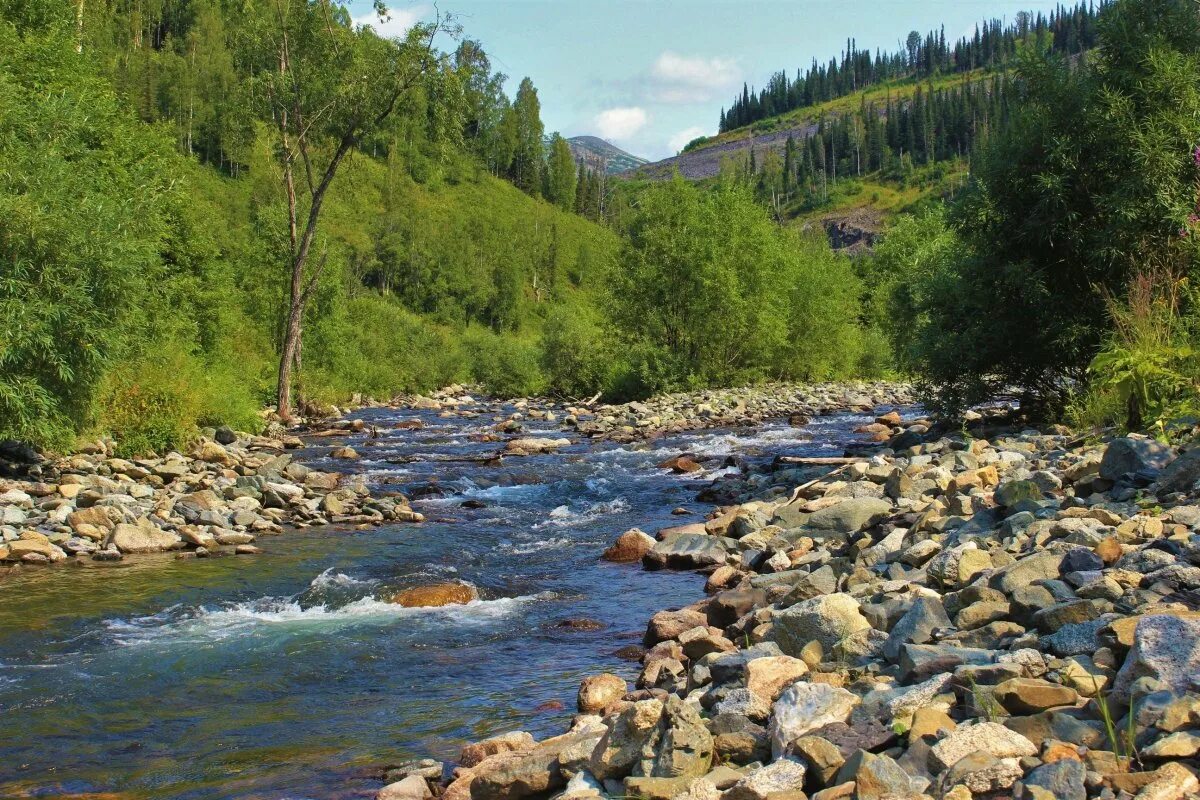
[709,291]
[84,191]
[1092,179]
[575,355]
[506,366]
[154,404]
[1149,369]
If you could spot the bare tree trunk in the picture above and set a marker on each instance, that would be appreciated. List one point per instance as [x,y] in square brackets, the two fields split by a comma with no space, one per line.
[79,26]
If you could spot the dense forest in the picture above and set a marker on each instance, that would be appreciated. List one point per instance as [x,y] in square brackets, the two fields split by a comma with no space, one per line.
[1068,31]
[209,208]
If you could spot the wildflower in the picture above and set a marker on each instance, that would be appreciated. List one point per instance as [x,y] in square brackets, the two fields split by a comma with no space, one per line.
[1196,155]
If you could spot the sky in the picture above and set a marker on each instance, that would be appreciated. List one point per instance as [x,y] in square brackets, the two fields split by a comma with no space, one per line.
[650,75]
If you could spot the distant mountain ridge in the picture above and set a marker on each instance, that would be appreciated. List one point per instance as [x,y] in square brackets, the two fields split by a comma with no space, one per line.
[599,154]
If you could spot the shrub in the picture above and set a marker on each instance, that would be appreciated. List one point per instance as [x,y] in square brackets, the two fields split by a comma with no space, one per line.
[504,365]
[575,356]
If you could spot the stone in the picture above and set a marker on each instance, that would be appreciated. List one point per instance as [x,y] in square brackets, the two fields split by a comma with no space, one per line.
[768,782]
[597,692]
[726,608]
[1181,744]
[768,676]
[929,721]
[847,517]
[1032,695]
[988,737]
[686,747]
[629,546]
[1011,493]
[982,773]
[529,446]
[666,625]
[1182,474]
[630,736]
[687,551]
[437,594]
[344,453]
[1129,455]
[1019,574]
[142,537]
[831,620]
[213,453]
[1171,781]
[804,708]
[743,702]
[926,615]
[875,776]
[1165,648]
[414,787]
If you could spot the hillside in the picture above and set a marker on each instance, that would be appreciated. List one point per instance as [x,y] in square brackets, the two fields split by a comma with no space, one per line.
[596,153]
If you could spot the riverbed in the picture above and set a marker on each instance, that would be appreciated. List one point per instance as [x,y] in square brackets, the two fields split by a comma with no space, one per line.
[289,675]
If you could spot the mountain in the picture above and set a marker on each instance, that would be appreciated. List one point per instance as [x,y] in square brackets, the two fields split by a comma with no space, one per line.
[599,154]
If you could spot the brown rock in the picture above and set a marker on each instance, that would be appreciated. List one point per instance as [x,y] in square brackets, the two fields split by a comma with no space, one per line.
[680,465]
[1031,695]
[437,594]
[517,741]
[597,692]
[629,546]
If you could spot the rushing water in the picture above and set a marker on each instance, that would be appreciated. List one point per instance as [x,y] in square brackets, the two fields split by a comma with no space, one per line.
[287,676]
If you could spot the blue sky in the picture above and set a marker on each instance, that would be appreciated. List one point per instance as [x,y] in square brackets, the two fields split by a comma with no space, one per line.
[649,75]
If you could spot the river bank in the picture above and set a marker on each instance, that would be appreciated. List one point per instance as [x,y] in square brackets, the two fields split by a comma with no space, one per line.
[946,616]
[231,488]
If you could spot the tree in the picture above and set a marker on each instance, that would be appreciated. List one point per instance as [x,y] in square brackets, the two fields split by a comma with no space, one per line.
[323,85]
[1092,180]
[526,119]
[561,174]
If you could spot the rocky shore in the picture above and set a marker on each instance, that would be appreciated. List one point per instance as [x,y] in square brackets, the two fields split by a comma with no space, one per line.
[995,612]
[231,488]
[216,499]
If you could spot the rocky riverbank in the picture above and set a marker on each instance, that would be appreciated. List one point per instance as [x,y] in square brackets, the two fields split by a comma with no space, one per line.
[1006,614]
[216,499]
[231,488]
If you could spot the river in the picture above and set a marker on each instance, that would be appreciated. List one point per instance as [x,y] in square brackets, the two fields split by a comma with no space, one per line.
[286,675]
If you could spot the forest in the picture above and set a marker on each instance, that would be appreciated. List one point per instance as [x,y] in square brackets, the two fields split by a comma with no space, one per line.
[208,208]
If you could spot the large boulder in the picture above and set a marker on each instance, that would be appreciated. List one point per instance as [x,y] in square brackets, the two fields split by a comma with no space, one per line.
[1166,648]
[1130,455]
[142,537]
[597,692]
[629,546]
[806,707]
[847,517]
[689,551]
[1182,474]
[436,594]
[834,620]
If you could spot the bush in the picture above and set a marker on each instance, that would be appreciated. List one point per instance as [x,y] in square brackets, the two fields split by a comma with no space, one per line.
[504,365]
[710,291]
[1149,369]
[157,403]
[575,353]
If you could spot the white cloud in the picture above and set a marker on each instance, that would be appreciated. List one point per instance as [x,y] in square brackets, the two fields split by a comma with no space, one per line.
[691,79]
[677,141]
[621,123]
[397,22]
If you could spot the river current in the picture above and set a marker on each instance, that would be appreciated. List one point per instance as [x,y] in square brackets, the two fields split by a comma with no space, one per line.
[288,676]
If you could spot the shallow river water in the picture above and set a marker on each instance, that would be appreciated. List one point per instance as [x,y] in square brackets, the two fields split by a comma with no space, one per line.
[287,676]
